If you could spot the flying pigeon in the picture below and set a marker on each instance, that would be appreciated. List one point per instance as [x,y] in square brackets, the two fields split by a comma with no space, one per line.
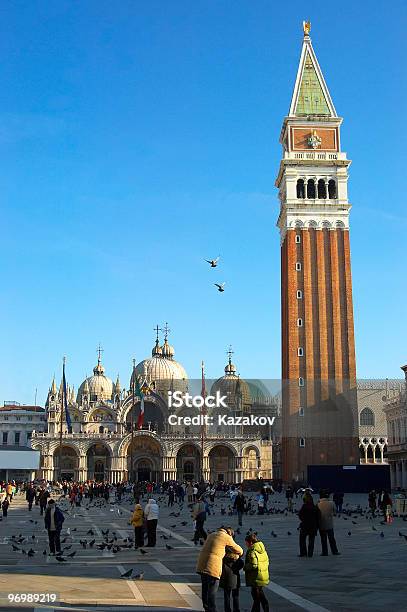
[127,574]
[220,286]
[213,262]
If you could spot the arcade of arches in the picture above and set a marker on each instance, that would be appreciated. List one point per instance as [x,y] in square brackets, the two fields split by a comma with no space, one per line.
[147,457]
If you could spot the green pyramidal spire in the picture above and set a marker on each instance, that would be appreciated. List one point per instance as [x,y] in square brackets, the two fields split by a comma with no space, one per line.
[311,98]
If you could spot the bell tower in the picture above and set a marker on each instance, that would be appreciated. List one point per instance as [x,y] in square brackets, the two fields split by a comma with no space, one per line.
[318,348]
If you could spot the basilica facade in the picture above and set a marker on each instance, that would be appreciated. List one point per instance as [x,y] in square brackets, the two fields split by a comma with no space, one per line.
[108,440]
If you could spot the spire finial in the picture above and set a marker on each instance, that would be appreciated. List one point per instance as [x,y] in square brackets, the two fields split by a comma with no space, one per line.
[157,331]
[229,352]
[99,352]
[306,26]
[166,331]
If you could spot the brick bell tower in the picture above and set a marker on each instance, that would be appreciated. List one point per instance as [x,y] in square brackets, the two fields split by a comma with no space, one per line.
[318,348]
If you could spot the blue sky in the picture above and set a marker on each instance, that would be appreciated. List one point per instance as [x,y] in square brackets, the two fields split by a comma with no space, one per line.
[138,138]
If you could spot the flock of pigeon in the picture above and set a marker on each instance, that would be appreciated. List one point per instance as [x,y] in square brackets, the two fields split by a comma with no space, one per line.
[214,264]
[108,540]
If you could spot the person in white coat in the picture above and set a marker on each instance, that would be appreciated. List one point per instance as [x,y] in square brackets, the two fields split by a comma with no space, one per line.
[151,513]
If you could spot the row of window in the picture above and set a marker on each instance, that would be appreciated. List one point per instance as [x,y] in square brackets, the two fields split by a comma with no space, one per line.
[319,189]
[6,417]
[17,437]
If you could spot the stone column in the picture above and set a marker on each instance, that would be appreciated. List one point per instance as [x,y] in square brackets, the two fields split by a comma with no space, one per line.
[206,468]
[403,474]
[82,468]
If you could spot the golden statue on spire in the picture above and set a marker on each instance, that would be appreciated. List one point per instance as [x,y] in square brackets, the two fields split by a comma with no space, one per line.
[306,26]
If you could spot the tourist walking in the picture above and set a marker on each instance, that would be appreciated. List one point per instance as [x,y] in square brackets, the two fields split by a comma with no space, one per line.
[199,517]
[209,564]
[256,569]
[137,520]
[151,512]
[230,578]
[309,517]
[43,500]
[53,521]
[30,496]
[326,523]
[240,506]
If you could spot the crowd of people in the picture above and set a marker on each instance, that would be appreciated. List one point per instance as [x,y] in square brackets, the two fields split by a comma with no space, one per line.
[221,560]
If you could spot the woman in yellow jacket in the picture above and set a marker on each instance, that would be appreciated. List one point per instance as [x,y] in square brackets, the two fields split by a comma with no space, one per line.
[137,520]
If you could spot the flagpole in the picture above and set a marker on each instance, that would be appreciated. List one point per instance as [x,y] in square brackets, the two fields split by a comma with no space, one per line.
[132,421]
[61,420]
[203,427]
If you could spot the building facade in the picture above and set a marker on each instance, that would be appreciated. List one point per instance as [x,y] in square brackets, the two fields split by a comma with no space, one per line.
[108,441]
[396,415]
[373,396]
[17,423]
[319,408]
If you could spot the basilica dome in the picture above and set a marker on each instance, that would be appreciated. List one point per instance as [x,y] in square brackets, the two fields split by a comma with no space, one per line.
[161,370]
[231,385]
[97,387]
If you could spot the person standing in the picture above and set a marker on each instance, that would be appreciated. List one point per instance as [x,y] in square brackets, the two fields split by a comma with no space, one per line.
[30,496]
[289,494]
[199,516]
[171,496]
[326,523]
[209,564]
[386,507]
[256,570]
[230,578]
[53,521]
[190,493]
[309,516]
[137,521]
[4,506]
[151,512]
[372,501]
[43,497]
[338,501]
[9,491]
[240,506]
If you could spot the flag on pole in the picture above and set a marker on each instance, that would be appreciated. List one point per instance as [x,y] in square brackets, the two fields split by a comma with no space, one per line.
[203,395]
[139,393]
[65,401]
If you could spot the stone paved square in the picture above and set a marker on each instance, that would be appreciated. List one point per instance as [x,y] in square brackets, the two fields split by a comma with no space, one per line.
[369,574]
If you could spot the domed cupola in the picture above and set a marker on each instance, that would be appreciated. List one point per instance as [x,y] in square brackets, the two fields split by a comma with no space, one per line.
[162,372]
[235,388]
[98,388]
[156,349]
[167,350]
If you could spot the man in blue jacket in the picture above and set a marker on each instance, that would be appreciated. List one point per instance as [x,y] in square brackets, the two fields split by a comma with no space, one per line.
[53,520]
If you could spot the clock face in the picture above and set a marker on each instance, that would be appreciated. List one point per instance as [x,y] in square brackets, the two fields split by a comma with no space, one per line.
[314,141]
